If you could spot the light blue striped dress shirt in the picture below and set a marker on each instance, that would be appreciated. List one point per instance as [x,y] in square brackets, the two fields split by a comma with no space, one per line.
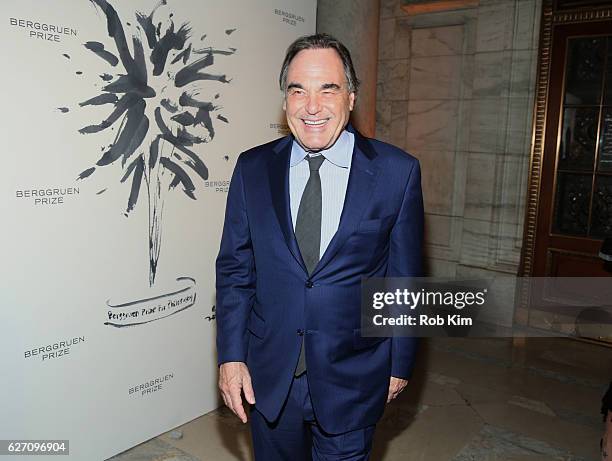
[334,173]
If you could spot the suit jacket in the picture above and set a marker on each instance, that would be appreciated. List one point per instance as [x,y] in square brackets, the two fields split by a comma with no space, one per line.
[267,303]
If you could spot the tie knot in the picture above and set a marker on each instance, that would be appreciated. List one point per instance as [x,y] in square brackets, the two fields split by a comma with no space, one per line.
[315,161]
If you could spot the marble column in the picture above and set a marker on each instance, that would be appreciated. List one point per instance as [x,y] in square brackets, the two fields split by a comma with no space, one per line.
[355,23]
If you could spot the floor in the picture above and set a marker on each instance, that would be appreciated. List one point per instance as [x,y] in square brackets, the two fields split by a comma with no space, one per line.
[469,400]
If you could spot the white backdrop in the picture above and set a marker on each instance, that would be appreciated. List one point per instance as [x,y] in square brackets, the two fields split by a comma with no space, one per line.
[106,318]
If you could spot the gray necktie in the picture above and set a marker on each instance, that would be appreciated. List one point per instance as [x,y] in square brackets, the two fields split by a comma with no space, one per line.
[308,223]
[308,229]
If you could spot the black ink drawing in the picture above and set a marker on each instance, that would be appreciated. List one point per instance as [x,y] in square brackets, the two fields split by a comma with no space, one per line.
[213,314]
[158,110]
[152,309]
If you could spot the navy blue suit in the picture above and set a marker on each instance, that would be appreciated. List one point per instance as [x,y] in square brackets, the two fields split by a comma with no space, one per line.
[267,303]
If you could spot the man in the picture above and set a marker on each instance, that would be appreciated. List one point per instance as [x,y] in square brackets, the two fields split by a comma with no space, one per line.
[308,216]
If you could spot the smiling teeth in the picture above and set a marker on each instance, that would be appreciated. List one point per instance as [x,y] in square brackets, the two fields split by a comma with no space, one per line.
[312,122]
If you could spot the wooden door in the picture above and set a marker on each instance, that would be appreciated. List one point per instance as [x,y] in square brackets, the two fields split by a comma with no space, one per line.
[573,203]
[569,196]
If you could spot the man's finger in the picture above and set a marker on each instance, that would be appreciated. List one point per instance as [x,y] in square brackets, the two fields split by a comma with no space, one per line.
[247,388]
[228,402]
[223,389]
[236,400]
[224,399]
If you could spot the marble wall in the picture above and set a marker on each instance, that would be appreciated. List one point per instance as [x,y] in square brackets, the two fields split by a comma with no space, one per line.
[456,90]
[355,23]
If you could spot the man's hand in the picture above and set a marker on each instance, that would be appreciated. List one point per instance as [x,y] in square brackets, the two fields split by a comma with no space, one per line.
[234,378]
[396,385]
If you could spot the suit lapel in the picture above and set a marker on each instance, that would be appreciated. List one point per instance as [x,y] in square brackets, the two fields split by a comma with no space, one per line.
[278,174]
[362,179]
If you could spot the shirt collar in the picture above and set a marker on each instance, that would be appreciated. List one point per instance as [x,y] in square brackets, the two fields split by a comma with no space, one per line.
[339,154]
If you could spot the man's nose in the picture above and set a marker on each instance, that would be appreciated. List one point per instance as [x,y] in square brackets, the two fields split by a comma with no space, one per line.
[313,104]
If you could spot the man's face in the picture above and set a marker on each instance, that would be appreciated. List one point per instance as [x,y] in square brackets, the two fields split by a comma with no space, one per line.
[317,100]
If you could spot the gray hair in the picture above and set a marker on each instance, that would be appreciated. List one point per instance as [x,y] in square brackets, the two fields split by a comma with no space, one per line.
[317,42]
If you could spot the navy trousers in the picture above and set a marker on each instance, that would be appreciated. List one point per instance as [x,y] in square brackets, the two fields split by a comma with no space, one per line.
[296,436]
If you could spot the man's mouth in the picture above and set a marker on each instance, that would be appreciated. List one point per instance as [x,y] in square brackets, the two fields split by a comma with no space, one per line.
[315,122]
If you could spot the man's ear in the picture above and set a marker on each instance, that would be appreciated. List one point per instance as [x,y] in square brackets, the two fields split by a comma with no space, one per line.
[351,100]
[284,103]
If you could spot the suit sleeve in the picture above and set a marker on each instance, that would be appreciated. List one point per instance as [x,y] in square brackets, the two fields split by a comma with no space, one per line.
[235,270]
[406,260]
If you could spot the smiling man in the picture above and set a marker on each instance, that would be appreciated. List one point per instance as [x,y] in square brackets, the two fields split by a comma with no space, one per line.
[308,216]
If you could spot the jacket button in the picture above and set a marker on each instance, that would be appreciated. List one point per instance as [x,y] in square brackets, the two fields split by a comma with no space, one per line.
[309,284]
[300,332]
